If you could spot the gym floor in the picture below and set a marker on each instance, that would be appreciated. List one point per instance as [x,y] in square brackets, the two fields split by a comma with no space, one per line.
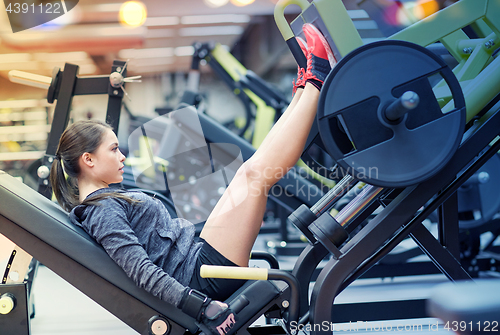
[62,309]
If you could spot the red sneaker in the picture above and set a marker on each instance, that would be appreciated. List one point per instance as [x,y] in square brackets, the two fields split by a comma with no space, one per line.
[320,59]
[301,81]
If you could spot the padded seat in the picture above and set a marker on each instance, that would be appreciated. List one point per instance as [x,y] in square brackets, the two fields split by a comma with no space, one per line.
[44,230]
[473,304]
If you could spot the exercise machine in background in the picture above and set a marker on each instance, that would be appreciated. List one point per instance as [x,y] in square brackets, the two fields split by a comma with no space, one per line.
[263,105]
[21,268]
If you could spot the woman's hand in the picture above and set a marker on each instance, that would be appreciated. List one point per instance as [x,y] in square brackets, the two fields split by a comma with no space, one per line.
[212,317]
[217,318]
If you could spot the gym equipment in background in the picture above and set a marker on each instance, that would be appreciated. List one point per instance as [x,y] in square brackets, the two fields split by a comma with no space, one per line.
[263,103]
[61,87]
[254,93]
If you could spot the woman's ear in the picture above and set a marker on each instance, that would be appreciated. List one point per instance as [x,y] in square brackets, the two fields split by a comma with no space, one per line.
[86,159]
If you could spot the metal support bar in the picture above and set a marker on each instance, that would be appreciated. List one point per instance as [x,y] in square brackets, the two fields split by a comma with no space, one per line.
[61,111]
[362,200]
[448,225]
[400,213]
[333,195]
[304,269]
[422,215]
[115,98]
[293,309]
[60,121]
[439,255]
[265,256]
[91,85]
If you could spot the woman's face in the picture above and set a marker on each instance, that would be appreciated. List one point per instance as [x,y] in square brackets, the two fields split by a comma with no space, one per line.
[108,160]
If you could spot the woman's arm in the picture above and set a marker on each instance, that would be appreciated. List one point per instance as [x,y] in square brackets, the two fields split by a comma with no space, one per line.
[110,228]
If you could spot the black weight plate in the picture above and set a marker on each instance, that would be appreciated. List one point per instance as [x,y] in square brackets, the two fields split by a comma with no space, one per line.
[355,131]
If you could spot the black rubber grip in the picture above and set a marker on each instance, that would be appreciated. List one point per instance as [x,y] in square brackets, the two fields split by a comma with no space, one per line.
[240,303]
[297,53]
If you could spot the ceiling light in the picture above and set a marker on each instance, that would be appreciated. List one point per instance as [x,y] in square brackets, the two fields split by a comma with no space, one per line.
[162,21]
[241,3]
[133,13]
[208,19]
[215,3]
[146,53]
[410,12]
[426,8]
[213,30]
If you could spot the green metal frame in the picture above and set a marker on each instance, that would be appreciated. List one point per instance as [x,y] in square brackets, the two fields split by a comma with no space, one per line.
[264,115]
[477,71]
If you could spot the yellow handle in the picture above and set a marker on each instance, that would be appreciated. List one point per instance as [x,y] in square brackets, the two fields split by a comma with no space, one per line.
[233,272]
[6,304]
[29,79]
[279,16]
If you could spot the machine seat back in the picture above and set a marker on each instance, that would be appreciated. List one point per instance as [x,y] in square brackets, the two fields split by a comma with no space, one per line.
[69,249]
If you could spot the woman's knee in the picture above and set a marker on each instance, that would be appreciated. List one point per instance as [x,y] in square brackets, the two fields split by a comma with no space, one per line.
[252,170]
[257,171]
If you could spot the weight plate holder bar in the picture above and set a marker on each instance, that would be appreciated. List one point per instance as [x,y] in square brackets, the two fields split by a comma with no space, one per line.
[400,213]
[359,136]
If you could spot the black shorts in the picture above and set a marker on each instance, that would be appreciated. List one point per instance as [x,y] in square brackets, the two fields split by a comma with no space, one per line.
[215,288]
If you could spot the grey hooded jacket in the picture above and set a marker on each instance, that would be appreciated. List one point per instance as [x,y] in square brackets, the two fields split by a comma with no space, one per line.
[157,251]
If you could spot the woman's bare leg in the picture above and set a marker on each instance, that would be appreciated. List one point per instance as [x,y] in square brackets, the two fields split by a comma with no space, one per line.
[235,221]
[282,119]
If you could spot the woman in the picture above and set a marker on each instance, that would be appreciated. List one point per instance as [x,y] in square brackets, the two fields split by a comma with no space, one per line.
[159,253]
